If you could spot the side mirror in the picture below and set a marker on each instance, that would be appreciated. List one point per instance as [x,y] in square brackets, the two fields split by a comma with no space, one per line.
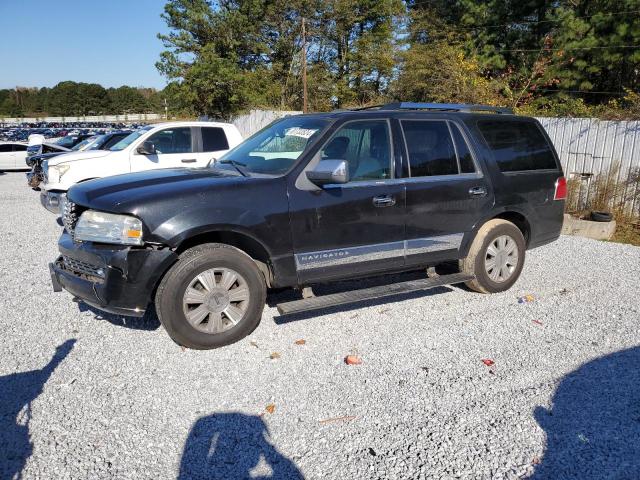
[329,171]
[147,148]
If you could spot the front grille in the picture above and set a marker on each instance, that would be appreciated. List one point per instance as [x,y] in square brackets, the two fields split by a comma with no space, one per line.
[80,268]
[70,215]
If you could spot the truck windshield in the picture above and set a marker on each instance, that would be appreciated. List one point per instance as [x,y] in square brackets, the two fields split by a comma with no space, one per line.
[274,149]
[129,139]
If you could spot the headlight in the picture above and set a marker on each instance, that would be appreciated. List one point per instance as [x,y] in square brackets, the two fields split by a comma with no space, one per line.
[56,172]
[108,228]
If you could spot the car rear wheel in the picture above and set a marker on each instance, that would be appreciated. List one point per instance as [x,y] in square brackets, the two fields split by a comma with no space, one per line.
[496,257]
[213,296]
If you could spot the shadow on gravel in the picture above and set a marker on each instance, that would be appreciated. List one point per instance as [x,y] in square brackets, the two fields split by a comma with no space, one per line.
[593,429]
[233,446]
[17,391]
[148,322]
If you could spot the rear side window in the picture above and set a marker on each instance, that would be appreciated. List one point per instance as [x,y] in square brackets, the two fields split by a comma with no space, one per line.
[517,146]
[430,148]
[5,148]
[19,148]
[464,154]
[214,139]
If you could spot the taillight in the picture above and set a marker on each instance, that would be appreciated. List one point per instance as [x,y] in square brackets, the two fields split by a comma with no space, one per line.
[561,189]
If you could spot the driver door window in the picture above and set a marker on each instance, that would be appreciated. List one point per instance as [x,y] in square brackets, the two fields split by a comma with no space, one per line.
[366,146]
[174,148]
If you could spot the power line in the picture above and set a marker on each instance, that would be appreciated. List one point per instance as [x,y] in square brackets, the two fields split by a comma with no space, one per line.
[534,22]
[567,49]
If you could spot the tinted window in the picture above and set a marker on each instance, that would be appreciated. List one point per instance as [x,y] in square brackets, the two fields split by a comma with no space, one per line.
[517,146]
[464,154]
[172,140]
[365,146]
[214,139]
[19,148]
[430,148]
[5,148]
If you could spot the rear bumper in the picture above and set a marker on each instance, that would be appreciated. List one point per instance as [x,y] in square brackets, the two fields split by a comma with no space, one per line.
[52,200]
[113,278]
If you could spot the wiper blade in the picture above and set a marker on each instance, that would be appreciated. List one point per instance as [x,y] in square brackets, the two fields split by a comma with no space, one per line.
[239,166]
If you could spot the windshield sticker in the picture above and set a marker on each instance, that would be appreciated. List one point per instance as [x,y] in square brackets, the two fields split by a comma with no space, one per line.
[300,132]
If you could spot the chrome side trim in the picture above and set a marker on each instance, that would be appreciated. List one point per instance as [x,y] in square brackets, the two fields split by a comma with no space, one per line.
[348,256]
[433,244]
[378,251]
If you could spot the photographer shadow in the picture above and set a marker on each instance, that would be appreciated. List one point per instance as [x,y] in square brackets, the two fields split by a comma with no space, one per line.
[593,429]
[17,392]
[233,446]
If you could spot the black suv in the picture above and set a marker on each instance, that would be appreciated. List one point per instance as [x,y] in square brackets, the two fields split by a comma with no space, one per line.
[312,199]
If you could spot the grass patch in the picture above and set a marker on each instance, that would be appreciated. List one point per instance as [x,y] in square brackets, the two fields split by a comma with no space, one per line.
[627,233]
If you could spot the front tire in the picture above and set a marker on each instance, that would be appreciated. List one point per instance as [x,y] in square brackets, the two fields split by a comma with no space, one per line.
[213,296]
[496,257]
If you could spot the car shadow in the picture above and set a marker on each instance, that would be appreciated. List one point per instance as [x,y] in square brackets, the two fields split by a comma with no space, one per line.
[288,295]
[593,428]
[233,446]
[147,322]
[17,392]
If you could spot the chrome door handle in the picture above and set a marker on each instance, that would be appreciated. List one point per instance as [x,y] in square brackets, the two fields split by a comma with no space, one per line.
[384,201]
[188,160]
[477,191]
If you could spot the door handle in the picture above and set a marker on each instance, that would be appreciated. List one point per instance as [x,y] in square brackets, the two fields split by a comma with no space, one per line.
[384,201]
[477,191]
[188,160]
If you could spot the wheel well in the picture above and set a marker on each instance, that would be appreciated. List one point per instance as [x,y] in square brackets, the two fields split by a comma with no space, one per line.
[519,221]
[248,245]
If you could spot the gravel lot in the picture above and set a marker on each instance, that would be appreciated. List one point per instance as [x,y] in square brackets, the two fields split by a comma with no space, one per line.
[86,395]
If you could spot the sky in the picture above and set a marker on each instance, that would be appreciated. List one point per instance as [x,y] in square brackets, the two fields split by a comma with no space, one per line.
[110,42]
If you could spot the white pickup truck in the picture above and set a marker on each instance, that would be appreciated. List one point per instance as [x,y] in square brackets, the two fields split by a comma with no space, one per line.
[164,145]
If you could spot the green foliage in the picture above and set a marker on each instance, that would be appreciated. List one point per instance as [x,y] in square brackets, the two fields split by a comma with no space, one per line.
[77,99]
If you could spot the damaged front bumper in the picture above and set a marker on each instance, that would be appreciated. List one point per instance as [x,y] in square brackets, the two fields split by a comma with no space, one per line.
[115,278]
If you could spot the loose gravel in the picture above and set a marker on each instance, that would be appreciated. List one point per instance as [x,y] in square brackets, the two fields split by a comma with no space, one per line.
[91,395]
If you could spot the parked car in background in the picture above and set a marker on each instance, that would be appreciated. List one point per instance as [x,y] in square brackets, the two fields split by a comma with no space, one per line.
[314,199]
[96,142]
[12,155]
[165,145]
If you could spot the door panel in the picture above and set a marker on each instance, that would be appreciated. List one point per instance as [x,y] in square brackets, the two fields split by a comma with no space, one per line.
[7,157]
[174,147]
[443,205]
[354,228]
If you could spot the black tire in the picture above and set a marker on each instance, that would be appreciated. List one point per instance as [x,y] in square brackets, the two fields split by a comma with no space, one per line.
[601,216]
[193,262]
[474,262]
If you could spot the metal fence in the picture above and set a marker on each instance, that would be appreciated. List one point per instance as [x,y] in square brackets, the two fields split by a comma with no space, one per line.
[589,147]
[126,118]
[257,119]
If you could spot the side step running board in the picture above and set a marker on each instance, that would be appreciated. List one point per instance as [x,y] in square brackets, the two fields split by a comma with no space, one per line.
[315,303]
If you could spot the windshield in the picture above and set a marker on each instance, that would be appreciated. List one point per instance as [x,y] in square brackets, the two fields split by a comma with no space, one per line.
[67,141]
[274,149]
[129,139]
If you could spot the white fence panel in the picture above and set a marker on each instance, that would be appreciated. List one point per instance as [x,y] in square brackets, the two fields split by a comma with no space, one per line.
[590,146]
[257,119]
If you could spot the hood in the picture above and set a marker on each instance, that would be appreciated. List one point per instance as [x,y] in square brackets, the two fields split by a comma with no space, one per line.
[132,192]
[74,156]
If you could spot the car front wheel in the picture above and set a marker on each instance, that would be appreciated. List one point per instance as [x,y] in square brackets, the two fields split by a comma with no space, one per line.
[496,257]
[213,296]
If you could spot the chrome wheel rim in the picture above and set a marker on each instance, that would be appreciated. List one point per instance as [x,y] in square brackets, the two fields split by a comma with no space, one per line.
[501,258]
[216,300]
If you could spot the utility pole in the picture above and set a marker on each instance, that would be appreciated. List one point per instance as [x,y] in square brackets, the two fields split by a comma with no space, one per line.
[304,68]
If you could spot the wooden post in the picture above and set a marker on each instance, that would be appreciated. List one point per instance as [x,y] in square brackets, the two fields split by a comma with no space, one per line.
[304,67]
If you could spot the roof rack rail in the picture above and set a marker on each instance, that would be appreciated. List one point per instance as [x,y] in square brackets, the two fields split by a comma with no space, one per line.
[447,107]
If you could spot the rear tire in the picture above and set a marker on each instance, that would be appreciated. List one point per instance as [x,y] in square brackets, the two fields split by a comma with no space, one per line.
[496,257]
[213,296]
